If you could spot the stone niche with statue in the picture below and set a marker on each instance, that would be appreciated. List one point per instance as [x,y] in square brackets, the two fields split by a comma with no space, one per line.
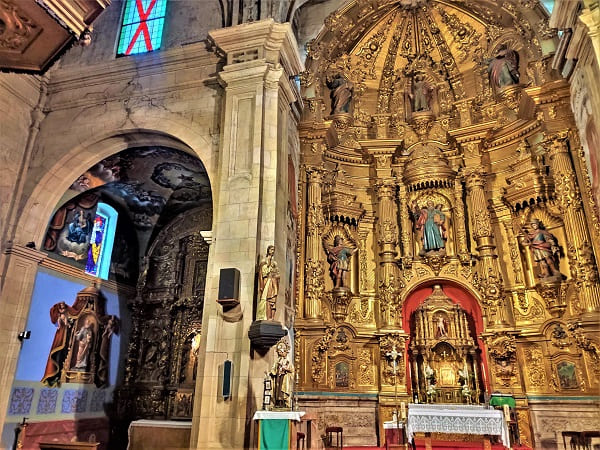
[444,356]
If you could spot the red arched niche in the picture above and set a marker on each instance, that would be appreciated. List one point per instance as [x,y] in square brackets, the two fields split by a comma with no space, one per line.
[458,295]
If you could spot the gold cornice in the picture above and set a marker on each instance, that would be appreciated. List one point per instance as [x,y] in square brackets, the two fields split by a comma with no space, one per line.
[512,133]
[472,133]
[376,146]
[549,92]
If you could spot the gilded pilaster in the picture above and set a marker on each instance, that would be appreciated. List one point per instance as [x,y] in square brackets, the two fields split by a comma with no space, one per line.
[387,239]
[581,257]
[405,226]
[481,221]
[459,217]
[314,273]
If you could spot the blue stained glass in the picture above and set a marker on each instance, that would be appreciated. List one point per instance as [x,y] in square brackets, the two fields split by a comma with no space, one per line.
[549,5]
[101,241]
[96,244]
[142,27]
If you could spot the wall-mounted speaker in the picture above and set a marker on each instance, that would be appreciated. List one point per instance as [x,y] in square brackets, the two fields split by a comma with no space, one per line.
[229,287]
[227,379]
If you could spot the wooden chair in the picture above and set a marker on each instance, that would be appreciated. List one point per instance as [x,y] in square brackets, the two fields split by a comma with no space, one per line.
[338,431]
[300,440]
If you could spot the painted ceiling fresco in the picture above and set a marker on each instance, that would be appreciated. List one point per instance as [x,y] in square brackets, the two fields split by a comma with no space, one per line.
[149,186]
[154,183]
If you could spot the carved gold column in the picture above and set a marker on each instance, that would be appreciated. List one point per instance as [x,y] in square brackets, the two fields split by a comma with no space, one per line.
[582,261]
[489,280]
[387,239]
[459,214]
[481,221]
[406,226]
[314,282]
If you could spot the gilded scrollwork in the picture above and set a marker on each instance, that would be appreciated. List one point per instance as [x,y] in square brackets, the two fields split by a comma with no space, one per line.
[387,345]
[535,367]
[320,348]
[502,348]
[366,376]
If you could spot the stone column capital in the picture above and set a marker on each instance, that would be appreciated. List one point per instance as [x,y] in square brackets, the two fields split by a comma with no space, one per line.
[266,40]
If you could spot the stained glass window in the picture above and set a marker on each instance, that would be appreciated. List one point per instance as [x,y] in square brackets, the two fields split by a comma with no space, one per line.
[142,27]
[101,241]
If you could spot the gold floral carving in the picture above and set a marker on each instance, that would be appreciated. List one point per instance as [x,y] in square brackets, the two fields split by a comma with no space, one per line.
[362,313]
[524,427]
[535,366]
[387,344]
[464,35]
[502,348]
[590,347]
[315,283]
[320,347]
[366,377]
[389,300]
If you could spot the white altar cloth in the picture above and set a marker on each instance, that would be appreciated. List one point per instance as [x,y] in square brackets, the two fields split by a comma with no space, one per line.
[279,415]
[460,419]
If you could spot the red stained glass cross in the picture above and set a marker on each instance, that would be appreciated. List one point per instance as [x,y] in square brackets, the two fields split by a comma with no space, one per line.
[142,27]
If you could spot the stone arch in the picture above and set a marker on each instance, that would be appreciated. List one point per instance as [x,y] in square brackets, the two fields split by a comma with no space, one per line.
[46,194]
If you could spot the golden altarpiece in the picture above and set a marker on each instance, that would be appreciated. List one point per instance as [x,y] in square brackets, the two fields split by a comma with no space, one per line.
[445,211]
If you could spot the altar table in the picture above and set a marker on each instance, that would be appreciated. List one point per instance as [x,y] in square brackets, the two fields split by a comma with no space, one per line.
[274,431]
[452,418]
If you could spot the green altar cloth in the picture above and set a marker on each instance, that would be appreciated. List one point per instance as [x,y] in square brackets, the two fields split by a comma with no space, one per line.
[502,400]
[274,428]
[274,434]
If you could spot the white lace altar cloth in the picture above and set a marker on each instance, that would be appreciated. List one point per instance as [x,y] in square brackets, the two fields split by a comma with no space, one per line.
[461,419]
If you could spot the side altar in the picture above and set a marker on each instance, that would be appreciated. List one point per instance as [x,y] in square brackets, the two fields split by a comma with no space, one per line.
[456,419]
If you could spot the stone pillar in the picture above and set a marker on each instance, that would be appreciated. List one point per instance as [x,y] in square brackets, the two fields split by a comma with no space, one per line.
[261,59]
[581,257]
[387,239]
[590,16]
[21,270]
[314,273]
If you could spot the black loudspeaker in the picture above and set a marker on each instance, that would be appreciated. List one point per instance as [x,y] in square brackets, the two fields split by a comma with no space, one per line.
[229,287]
[227,377]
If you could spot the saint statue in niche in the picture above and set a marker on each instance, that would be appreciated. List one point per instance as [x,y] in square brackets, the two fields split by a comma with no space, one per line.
[442,327]
[503,69]
[282,374]
[421,94]
[268,284]
[83,337]
[341,93]
[430,226]
[338,258]
[545,250]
